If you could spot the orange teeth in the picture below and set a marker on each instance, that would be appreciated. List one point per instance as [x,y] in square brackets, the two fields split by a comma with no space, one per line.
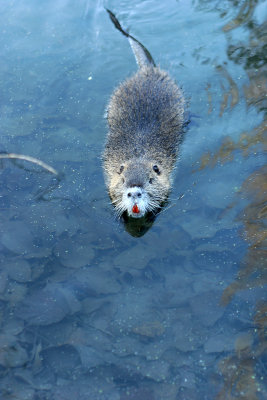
[135,209]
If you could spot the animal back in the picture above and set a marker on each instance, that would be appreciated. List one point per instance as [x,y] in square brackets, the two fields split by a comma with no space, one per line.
[146,111]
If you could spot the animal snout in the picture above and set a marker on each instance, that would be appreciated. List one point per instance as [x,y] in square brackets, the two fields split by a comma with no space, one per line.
[134,193]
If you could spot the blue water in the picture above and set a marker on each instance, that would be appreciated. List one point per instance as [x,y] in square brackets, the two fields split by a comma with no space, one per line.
[90,307]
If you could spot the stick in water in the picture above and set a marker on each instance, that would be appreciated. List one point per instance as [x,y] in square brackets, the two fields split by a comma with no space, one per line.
[30,159]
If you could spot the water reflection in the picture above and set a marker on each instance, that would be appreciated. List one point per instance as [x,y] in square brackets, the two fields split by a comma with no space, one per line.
[138,227]
[253,216]
[244,15]
[249,143]
[244,370]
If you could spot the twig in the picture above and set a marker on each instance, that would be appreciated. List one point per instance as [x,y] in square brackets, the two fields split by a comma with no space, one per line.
[30,159]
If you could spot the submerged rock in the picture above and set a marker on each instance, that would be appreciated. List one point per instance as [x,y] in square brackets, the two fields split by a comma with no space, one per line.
[48,305]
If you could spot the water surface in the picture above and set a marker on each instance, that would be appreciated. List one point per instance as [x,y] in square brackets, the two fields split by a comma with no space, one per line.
[89,309]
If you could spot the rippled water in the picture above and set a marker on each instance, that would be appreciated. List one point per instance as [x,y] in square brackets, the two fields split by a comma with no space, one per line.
[91,308]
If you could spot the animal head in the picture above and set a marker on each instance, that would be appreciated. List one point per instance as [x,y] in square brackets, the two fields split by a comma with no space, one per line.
[138,187]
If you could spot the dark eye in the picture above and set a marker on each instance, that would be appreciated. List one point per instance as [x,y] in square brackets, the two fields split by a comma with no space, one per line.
[121,169]
[156,169]
[150,180]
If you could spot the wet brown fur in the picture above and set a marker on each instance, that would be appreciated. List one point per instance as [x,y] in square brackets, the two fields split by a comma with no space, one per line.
[145,118]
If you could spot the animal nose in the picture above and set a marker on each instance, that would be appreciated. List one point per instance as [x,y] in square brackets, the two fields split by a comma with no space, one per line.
[134,193]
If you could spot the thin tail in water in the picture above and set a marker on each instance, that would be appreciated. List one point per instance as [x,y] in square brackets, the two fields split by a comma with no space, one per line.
[142,55]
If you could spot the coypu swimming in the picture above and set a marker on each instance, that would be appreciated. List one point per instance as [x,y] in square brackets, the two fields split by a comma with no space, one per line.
[145,118]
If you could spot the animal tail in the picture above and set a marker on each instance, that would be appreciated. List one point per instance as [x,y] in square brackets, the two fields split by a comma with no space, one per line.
[142,55]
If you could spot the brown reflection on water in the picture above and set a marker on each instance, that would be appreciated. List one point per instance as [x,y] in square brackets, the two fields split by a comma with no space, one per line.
[248,143]
[254,231]
[238,373]
[238,370]
[243,371]
[251,54]
[243,16]
[232,94]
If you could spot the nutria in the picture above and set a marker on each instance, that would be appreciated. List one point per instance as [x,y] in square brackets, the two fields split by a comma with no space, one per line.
[145,118]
